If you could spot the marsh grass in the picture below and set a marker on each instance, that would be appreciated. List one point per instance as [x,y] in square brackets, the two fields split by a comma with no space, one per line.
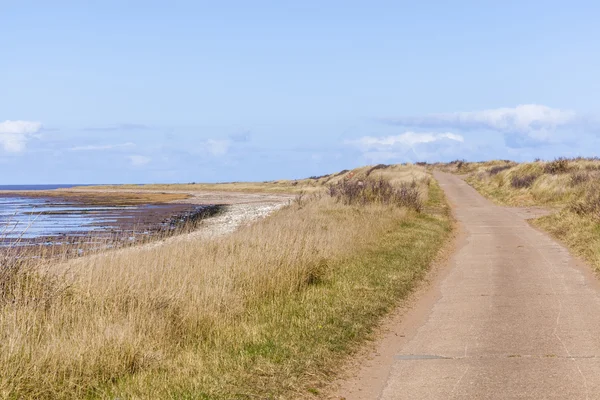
[269,311]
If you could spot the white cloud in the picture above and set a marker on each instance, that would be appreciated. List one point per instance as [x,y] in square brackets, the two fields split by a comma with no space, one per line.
[138,161]
[405,140]
[218,147]
[15,134]
[102,147]
[533,120]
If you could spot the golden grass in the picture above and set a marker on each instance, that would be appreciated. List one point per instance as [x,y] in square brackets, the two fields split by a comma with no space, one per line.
[103,197]
[547,189]
[268,312]
[396,173]
[570,187]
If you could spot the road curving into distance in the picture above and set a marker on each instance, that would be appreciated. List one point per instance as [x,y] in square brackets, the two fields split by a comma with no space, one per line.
[513,315]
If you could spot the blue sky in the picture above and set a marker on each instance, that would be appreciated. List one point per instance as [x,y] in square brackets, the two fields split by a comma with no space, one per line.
[181,91]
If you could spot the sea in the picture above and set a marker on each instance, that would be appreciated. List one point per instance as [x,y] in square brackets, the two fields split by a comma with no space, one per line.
[53,220]
[23,218]
[39,187]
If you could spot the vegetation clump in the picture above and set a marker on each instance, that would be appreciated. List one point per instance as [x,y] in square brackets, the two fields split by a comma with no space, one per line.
[375,168]
[589,205]
[498,168]
[522,181]
[377,191]
[580,177]
[558,166]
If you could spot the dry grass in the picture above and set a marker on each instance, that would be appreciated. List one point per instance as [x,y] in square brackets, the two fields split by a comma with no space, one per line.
[394,173]
[267,312]
[548,183]
[570,186]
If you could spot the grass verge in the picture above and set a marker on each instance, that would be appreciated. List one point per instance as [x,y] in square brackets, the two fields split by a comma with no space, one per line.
[268,312]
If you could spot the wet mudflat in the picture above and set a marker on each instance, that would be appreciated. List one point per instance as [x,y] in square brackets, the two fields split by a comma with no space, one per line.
[28,220]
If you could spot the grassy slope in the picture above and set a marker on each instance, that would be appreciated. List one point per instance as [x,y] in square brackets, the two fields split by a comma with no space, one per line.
[308,185]
[560,191]
[268,312]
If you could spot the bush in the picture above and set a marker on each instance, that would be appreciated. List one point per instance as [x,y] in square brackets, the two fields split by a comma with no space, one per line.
[589,206]
[499,168]
[558,166]
[579,177]
[378,166]
[524,181]
[379,191]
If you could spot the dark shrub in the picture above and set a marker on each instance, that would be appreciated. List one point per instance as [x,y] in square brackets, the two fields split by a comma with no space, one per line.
[525,181]
[315,177]
[558,166]
[421,163]
[378,166]
[579,177]
[378,191]
[499,168]
[590,205]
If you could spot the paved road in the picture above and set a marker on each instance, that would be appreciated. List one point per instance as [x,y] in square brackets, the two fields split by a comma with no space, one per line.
[515,317]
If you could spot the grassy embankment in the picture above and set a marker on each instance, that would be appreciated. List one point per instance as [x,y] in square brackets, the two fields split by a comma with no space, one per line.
[569,186]
[270,311]
[395,173]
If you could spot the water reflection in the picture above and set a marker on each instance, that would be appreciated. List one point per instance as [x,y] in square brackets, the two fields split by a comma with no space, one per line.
[29,218]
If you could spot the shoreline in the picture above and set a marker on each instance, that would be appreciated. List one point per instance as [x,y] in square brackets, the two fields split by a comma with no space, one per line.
[202,214]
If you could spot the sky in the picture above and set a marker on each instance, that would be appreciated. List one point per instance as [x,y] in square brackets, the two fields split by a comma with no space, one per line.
[212,91]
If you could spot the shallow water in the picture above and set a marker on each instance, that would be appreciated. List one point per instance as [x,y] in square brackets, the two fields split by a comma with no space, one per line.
[28,218]
[38,187]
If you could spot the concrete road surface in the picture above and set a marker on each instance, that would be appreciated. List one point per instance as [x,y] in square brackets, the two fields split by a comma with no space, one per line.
[514,317]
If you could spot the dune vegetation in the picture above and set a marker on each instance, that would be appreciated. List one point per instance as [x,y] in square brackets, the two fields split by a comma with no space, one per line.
[395,173]
[570,187]
[269,311]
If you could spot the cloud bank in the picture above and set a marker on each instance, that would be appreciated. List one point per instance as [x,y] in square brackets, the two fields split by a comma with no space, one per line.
[218,147]
[102,147]
[15,134]
[137,160]
[407,139]
[118,127]
[533,120]
[408,146]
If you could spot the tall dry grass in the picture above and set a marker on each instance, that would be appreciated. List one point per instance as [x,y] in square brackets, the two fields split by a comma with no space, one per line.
[267,312]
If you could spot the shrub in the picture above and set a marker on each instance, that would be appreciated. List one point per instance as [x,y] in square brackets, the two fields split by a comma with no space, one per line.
[367,191]
[499,168]
[523,181]
[579,177]
[378,166]
[558,166]
[589,206]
